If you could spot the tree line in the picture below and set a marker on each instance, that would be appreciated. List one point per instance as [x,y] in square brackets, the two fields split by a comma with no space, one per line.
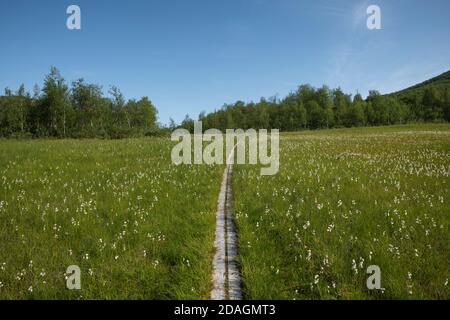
[81,110]
[315,108]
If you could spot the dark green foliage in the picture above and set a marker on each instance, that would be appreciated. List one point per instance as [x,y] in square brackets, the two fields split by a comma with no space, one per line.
[313,108]
[79,111]
[83,111]
[427,100]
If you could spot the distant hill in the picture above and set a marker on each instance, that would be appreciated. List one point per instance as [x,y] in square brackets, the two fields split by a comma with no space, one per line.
[440,83]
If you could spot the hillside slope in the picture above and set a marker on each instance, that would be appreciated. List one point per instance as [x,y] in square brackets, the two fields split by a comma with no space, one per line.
[440,83]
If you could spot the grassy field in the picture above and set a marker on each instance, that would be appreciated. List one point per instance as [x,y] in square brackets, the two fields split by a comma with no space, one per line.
[137,226]
[141,228]
[345,199]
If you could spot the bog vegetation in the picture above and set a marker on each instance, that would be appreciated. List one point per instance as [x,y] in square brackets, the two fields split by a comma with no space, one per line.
[138,226]
[343,200]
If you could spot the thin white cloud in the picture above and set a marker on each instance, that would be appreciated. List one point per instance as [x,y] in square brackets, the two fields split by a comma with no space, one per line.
[359,14]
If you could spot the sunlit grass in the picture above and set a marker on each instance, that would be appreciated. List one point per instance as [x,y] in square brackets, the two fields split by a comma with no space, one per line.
[141,228]
[138,226]
[344,200]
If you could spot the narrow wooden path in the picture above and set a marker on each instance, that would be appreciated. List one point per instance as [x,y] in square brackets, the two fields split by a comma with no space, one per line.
[226,276]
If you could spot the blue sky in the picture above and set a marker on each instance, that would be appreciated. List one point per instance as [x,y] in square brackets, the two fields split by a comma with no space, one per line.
[189,56]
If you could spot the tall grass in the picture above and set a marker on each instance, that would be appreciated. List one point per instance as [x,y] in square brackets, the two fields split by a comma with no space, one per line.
[138,226]
[344,200]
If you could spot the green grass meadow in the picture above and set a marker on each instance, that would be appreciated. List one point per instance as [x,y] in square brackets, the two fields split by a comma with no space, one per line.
[140,227]
[345,199]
